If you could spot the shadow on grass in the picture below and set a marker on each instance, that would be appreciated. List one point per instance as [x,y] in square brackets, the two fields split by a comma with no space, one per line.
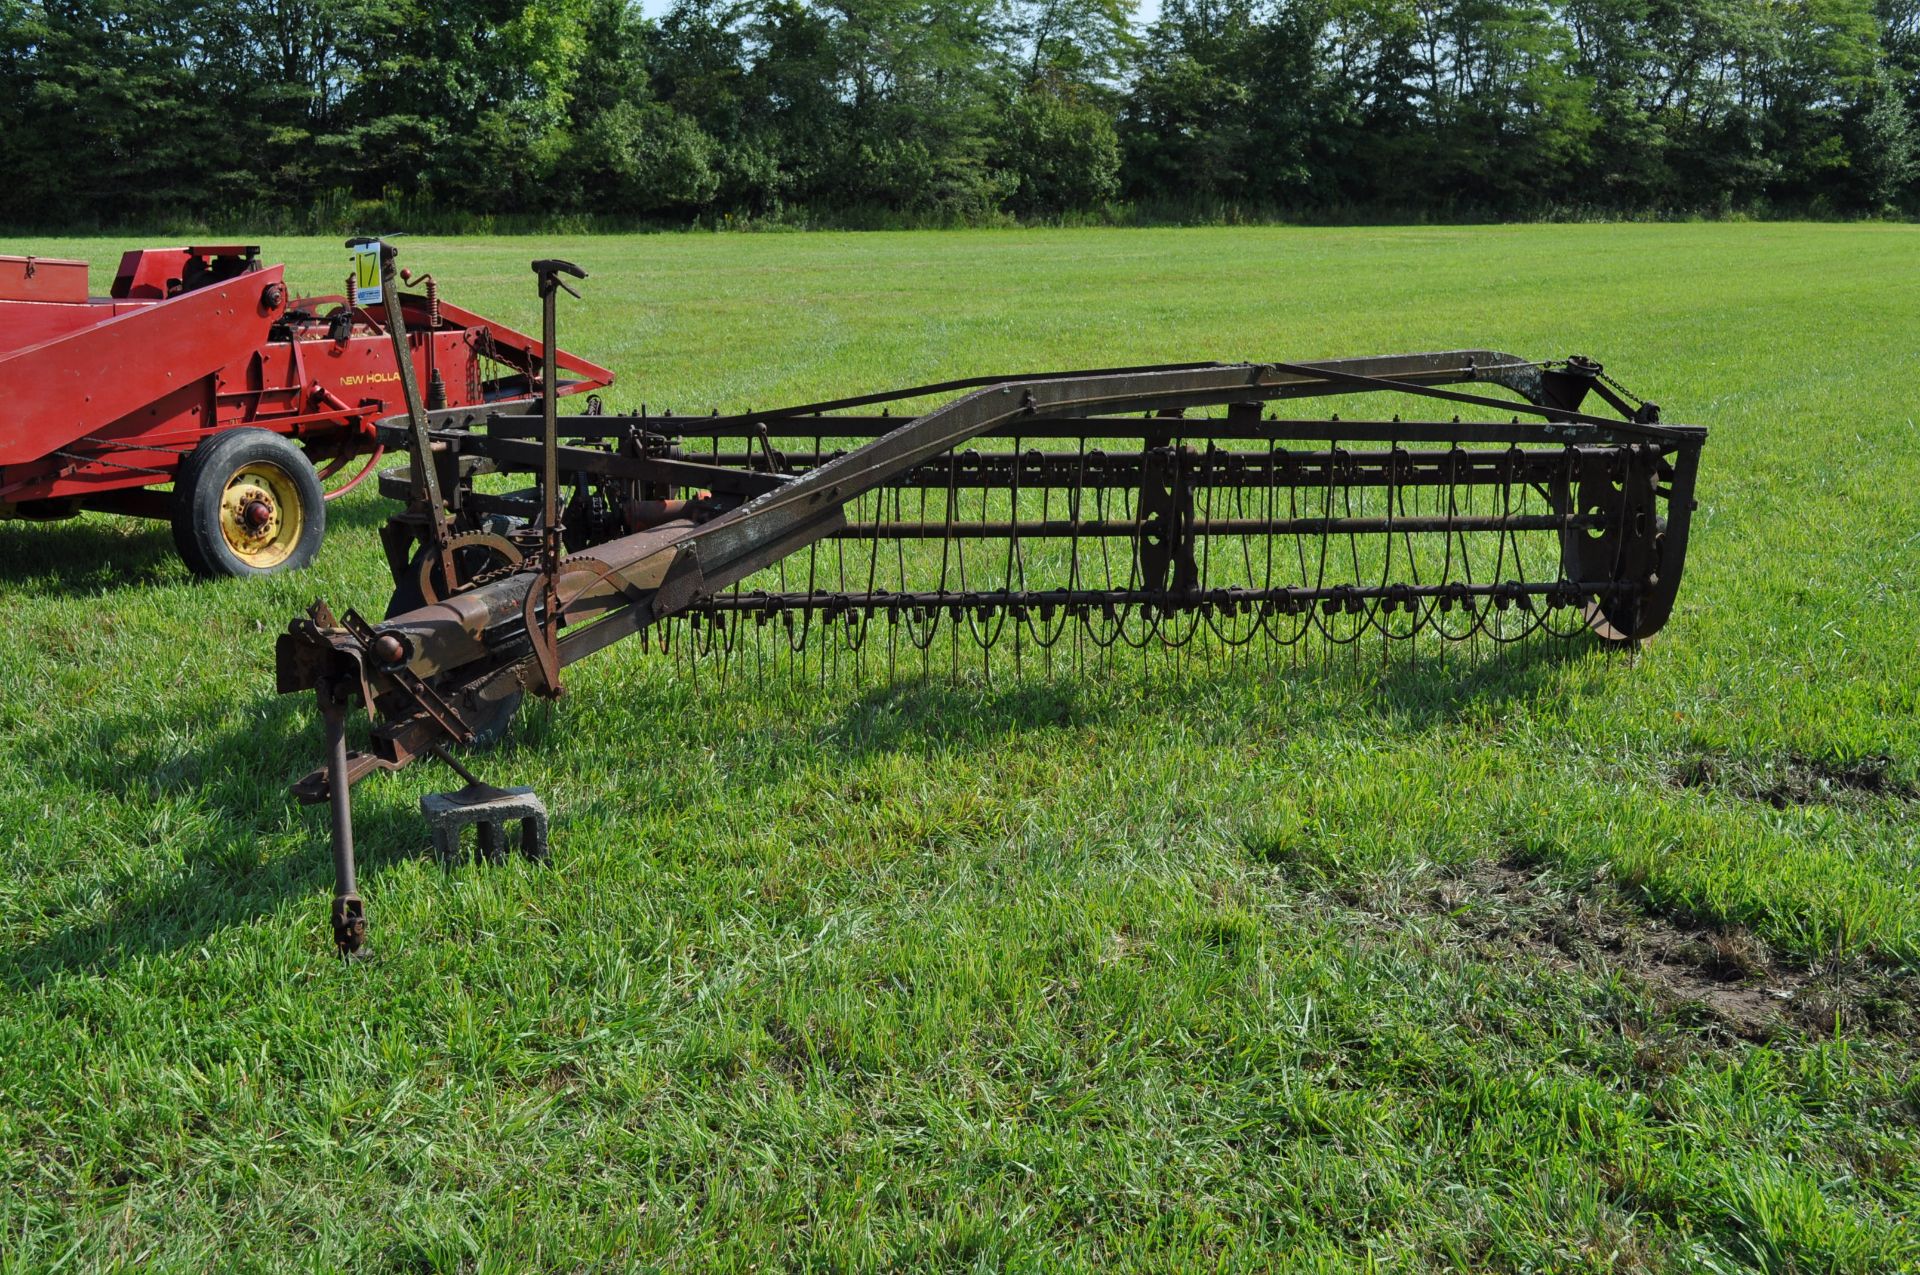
[238,777]
[97,553]
[87,555]
[240,774]
[932,715]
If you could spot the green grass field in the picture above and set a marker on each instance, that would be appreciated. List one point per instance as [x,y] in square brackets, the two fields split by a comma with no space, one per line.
[1545,959]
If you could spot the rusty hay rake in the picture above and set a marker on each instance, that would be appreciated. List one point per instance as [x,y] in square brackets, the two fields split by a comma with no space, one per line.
[1121,507]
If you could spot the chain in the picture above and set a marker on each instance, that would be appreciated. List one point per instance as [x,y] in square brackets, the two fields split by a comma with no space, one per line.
[76,460]
[1600,374]
[133,447]
[1624,391]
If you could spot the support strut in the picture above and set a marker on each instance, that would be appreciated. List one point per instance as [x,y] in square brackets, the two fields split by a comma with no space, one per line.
[349,912]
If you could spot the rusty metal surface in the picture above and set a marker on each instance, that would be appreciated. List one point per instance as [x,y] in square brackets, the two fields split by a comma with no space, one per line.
[1161,504]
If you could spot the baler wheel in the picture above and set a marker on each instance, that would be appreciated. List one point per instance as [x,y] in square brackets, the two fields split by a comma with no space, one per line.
[246,503]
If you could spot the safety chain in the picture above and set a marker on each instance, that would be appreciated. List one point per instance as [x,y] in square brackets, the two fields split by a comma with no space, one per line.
[1623,390]
[1599,374]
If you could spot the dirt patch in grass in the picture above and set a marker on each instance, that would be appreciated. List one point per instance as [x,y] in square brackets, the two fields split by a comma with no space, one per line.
[1793,780]
[1724,976]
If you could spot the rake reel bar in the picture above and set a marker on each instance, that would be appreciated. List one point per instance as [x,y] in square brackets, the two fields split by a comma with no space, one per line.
[1134,506]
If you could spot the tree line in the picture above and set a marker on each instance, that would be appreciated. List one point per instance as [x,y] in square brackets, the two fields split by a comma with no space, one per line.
[308,113]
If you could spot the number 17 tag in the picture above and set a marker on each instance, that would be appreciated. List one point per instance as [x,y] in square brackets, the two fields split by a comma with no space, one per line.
[366,273]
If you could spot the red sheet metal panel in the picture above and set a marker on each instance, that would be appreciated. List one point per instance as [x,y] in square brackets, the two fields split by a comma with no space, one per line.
[28,323]
[76,384]
[43,279]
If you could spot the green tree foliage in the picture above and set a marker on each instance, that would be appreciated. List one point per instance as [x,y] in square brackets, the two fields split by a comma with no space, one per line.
[965,110]
[1058,146]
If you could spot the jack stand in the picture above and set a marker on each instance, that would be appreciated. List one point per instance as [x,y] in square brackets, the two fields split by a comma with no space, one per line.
[349,913]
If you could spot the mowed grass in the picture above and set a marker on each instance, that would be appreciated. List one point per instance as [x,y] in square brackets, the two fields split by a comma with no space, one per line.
[1138,965]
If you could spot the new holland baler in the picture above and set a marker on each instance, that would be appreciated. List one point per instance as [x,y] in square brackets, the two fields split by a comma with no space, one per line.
[201,392]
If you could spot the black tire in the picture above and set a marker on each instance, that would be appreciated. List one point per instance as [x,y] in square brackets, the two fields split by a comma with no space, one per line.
[262,469]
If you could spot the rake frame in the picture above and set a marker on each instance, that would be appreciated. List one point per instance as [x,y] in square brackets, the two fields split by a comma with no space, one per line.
[451,669]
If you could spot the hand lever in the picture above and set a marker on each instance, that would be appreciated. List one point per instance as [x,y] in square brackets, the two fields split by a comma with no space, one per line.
[551,268]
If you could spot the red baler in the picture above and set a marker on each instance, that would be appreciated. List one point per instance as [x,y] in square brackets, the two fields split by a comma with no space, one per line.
[199,372]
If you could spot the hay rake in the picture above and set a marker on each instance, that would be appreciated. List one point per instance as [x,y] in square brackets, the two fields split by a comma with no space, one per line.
[1116,508]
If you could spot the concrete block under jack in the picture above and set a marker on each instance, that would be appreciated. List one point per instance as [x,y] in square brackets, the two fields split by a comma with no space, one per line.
[489,810]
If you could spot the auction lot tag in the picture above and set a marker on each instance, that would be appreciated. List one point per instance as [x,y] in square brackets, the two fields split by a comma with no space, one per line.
[366,274]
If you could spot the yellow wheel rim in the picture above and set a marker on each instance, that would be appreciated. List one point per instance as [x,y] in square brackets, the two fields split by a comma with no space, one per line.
[260,514]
